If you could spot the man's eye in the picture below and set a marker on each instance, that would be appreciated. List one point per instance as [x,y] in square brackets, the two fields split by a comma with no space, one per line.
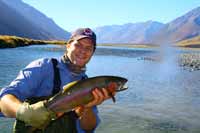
[88,49]
[78,45]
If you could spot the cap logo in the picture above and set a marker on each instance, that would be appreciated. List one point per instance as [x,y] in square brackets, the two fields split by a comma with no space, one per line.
[88,32]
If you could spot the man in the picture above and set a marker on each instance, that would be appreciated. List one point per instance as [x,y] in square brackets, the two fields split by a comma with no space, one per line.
[36,80]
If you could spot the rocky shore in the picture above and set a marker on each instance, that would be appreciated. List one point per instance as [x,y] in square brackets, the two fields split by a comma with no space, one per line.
[190,61]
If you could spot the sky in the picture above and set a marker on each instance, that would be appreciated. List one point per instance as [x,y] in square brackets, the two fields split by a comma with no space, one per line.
[72,14]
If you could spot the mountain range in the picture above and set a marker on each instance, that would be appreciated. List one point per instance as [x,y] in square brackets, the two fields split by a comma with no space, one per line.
[21,19]
[128,33]
[181,28]
[152,32]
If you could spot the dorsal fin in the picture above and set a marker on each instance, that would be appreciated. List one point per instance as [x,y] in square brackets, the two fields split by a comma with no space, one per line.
[66,87]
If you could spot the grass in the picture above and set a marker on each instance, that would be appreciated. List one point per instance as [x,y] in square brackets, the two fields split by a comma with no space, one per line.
[191,43]
[14,41]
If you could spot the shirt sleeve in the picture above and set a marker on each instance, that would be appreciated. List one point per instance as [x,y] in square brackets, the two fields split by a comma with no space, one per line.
[98,121]
[26,82]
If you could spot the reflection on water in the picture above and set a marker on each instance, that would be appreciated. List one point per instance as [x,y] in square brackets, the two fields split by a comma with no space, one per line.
[162,97]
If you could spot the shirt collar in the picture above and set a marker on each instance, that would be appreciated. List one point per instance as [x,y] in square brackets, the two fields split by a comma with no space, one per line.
[75,70]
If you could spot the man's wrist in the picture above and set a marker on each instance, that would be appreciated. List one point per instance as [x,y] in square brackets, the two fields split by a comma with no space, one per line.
[83,111]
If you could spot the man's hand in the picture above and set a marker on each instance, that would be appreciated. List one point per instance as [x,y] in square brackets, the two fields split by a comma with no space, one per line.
[100,95]
[86,115]
[35,115]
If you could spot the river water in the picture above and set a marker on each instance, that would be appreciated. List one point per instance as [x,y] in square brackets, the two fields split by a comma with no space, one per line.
[162,97]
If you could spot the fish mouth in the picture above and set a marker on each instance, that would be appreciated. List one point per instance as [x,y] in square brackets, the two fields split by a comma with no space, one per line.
[122,87]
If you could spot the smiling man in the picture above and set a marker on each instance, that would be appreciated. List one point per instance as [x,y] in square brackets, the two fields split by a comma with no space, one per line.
[43,78]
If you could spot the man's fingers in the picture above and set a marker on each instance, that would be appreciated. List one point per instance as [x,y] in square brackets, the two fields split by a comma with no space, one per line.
[105,93]
[99,95]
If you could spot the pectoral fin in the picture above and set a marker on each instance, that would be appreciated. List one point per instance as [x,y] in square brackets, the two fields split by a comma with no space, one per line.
[113,97]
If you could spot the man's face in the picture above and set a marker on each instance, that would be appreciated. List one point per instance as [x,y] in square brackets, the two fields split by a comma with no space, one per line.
[79,52]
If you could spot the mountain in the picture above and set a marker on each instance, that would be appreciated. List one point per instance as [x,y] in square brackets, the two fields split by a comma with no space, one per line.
[20,19]
[128,33]
[152,32]
[184,27]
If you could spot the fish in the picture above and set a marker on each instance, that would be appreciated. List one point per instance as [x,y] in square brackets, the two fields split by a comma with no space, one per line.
[79,93]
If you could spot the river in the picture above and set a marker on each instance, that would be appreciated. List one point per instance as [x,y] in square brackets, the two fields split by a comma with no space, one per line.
[162,97]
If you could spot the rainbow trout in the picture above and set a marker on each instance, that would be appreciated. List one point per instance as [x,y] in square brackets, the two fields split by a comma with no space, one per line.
[79,92]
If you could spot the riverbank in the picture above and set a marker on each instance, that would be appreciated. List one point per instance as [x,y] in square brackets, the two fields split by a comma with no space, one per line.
[190,43]
[14,41]
[129,45]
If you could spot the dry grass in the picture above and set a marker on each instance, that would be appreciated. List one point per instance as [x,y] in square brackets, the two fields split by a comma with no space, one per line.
[192,43]
[14,41]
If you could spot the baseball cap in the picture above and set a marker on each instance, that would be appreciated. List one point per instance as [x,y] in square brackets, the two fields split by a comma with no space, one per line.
[81,33]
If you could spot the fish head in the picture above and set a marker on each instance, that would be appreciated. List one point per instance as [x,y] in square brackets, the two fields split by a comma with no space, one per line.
[117,83]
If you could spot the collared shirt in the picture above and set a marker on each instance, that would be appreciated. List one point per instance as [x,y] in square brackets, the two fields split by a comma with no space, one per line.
[36,80]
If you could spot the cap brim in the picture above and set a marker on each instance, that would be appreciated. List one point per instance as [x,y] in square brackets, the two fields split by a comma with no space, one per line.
[81,37]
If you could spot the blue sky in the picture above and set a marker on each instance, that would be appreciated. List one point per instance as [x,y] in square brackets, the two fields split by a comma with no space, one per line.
[71,14]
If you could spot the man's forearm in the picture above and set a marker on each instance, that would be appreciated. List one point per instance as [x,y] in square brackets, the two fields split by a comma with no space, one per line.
[9,105]
[88,120]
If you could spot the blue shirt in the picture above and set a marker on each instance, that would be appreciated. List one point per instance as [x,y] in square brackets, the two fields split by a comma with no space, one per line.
[36,80]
